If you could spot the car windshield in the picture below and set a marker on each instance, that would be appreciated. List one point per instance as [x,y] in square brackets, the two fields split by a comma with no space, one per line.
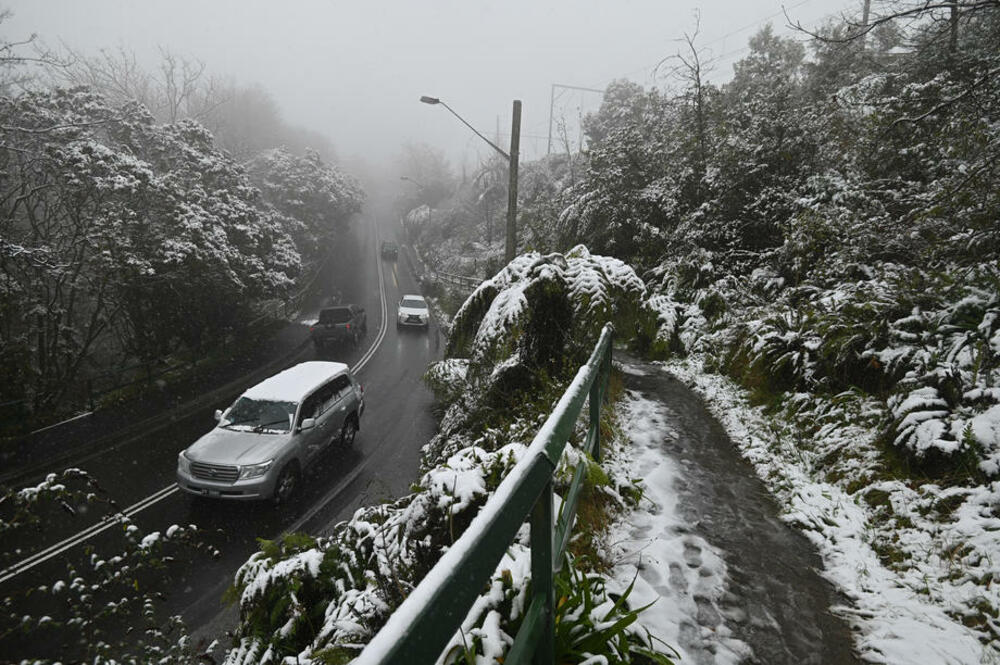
[413,303]
[260,415]
[336,315]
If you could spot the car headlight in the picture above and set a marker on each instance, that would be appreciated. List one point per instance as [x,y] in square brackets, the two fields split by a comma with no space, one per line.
[254,470]
[183,463]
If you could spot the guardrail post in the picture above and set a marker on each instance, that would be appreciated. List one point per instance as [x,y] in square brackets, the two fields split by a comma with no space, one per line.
[596,395]
[541,573]
[597,391]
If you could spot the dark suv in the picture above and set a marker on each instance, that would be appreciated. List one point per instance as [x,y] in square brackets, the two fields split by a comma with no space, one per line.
[343,323]
[390,250]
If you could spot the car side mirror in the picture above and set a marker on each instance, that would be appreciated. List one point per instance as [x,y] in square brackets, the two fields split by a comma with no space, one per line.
[218,415]
[308,423]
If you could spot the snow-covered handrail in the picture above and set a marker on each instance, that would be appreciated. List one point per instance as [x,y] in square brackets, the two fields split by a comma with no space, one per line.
[422,625]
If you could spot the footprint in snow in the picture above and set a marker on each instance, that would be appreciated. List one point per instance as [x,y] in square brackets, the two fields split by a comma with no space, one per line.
[692,555]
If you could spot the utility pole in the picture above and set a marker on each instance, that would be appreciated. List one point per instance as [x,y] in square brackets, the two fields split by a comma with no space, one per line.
[552,104]
[953,30]
[865,13]
[515,145]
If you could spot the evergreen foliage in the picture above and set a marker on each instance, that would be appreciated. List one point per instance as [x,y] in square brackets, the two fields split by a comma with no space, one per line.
[843,229]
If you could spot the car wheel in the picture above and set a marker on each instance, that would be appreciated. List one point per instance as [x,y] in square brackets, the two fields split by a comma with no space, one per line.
[348,432]
[288,483]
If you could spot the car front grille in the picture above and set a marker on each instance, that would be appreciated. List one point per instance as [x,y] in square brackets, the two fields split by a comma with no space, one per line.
[413,318]
[220,472]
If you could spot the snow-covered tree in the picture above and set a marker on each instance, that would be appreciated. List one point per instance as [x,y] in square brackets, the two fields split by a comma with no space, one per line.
[313,200]
[122,235]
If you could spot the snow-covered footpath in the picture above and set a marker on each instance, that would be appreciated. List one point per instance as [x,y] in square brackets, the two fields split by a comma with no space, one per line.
[678,572]
[899,615]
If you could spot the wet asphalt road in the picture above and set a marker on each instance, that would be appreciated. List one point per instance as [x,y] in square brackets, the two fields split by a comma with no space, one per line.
[777,602]
[381,464]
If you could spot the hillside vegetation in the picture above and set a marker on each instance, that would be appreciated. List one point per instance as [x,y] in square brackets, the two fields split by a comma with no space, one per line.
[824,231]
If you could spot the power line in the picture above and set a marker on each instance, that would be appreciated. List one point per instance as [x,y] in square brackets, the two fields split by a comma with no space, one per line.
[783,11]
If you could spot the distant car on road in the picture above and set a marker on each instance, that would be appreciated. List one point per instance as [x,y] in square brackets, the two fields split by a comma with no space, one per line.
[343,323]
[273,433]
[413,311]
[390,250]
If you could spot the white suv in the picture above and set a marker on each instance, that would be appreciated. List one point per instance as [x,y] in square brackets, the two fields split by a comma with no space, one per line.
[273,432]
[412,311]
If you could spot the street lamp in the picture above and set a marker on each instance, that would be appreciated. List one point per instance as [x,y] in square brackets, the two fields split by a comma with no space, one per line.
[512,158]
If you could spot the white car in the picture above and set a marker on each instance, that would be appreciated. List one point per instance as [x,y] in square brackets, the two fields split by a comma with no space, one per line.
[412,311]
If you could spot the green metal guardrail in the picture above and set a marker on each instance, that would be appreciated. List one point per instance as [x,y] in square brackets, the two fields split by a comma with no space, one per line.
[422,626]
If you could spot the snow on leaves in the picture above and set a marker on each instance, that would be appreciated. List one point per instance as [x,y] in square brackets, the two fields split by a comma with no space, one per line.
[538,307]
[351,581]
[125,238]
[85,613]
[315,198]
[948,401]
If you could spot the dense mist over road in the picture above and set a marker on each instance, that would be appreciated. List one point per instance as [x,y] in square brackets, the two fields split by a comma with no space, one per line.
[354,71]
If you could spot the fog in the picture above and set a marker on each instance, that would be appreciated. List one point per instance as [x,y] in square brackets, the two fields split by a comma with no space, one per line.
[354,71]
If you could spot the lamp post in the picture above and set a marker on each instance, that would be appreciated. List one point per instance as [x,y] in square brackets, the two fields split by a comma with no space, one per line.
[512,158]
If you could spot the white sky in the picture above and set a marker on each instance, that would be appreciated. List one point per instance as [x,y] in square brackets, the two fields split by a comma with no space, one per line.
[355,70]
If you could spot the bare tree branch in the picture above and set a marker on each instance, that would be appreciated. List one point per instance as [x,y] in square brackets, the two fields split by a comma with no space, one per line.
[862,29]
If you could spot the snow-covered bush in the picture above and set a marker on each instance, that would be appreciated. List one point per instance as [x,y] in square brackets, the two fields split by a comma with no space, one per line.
[304,596]
[925,342]
[522,331]
[947,403]
[661,335]
[543,313]
[105,607]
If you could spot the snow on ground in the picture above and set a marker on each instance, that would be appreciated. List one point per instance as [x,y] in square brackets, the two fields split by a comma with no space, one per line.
[680,573]
[896,623]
